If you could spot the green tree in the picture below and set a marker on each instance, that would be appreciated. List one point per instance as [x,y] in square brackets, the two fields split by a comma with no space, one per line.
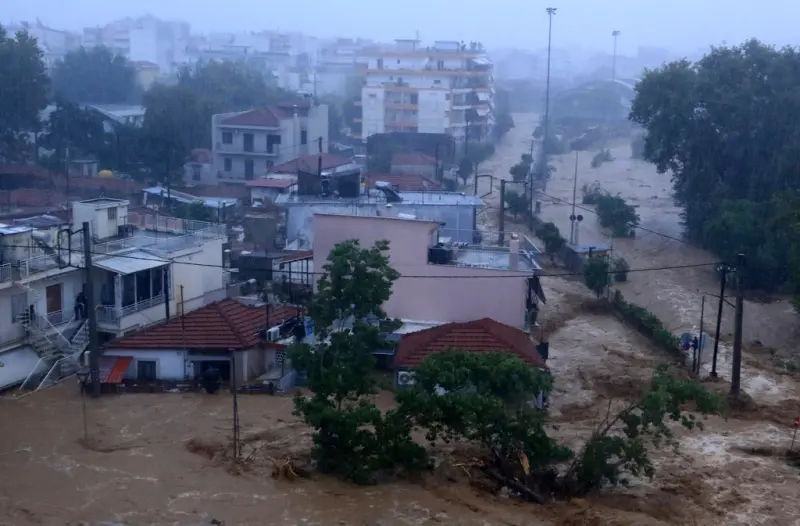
[352,438]
[23,94]
[465,168]
[96,76]
[616,214]
[621,268]
[78,130]
[552,239]
[517,203]
[519,172]
[597,274]
[726,129]
[619,445]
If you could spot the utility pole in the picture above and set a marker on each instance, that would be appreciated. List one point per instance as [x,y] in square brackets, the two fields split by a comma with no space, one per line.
[91,314]
[724,269]
[502,222]
[543,154]
[235,390]
[165,277]
[736,373]
[696,365]
[319,145]
[614,34]
[573,217]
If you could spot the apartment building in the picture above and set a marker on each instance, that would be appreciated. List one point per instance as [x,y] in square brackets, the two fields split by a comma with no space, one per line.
[144,267]
[444,88]
[246,145]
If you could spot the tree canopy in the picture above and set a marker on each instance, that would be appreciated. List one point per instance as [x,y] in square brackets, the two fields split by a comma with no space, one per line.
[23,94]
[727,129]
[95,76]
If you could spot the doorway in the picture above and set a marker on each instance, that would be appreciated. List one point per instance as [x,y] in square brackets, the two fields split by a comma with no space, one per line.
[54,306]
[146,370]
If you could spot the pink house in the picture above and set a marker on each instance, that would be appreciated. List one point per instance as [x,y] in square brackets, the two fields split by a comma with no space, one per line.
[439,281]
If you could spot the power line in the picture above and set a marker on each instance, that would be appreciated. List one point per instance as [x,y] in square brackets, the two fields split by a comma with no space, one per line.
[311,273]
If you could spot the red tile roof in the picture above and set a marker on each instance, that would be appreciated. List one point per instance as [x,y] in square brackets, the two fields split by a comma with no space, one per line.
[310,163]
[475,336]
[270,182]
[222,325]
[267,117]
[413,159]
[212,190]
[405,182]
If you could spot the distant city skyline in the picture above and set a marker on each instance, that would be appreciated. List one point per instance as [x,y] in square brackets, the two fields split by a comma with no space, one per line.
[680,25]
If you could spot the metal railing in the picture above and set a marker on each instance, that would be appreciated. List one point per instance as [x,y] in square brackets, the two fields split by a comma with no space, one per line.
[112,315]
[5,272]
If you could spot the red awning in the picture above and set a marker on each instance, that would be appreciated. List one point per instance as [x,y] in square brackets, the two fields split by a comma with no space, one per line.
[113,368]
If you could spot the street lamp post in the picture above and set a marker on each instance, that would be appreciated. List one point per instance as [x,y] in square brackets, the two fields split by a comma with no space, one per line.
[614,34]
[550,12]
[83,375]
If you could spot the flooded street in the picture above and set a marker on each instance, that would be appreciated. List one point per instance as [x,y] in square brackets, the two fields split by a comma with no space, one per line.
[161,458]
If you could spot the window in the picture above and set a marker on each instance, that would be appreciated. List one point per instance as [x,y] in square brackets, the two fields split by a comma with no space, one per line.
[414,98]
[227,138]
[197,172]
[304,137]
[437,82]
[146,370]
[372,96]
[273,143]
[128,290]
[380,63]
[249,171]
[228,164]
[157,278]
[19,302]
[447,96]
[440,65]
[143,292]
[112,213]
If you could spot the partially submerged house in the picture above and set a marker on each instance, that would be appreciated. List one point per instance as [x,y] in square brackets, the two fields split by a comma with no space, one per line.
[484,335]
[248,342]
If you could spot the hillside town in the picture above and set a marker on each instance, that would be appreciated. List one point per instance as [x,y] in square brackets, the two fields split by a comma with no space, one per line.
[245,275]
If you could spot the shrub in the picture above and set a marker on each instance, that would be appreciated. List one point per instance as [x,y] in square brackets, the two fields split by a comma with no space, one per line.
[592,193]
[597,274]
[603,156]
[616,214]
[620,267]
[647,324]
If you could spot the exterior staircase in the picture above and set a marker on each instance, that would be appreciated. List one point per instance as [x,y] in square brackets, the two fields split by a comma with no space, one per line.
[59,356]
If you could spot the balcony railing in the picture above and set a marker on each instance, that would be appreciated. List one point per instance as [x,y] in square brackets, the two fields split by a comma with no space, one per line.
[5,273]
[254,149]
[112,315]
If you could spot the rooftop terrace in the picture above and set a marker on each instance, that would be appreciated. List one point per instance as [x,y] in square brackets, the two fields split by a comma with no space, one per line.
[375,197]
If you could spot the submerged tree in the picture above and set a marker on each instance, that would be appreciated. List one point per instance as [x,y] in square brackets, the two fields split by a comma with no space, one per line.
[352,437]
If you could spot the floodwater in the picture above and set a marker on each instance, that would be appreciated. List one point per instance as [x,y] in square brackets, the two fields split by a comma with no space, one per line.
[161,458]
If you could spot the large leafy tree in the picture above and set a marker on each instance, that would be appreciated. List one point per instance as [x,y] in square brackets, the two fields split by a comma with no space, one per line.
[728,130]
[71,129]
[352,437]
[95,76]
[23,94]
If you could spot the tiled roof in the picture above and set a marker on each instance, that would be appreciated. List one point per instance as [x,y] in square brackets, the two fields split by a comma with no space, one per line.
[475,336]
[413,159]
[310,163]
[270,182]
[268,117]
[213,190]
[222,325]
[405,182]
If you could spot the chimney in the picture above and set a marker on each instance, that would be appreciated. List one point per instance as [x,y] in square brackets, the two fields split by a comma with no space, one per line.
[513,252]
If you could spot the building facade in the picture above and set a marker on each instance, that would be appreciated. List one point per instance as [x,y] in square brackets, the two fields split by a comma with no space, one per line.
[472,282]
[445,88]
[247,145]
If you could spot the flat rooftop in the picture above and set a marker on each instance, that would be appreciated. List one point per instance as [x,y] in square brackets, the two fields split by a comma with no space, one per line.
[493,258]
[378,198]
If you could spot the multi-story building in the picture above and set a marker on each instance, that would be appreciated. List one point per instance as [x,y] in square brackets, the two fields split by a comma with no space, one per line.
[246,145]
[144,268]
[445,88]
[54,43]
[442,281]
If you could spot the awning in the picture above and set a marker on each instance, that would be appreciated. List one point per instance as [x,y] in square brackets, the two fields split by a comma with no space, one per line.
[17,364]
[130,262]
[113,368]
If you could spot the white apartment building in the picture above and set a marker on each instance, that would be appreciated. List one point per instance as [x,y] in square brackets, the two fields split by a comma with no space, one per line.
[144,267]
[444,88]
[54,43]
[246,145]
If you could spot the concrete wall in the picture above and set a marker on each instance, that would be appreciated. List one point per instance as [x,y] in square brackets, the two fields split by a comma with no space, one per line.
[457,219]
[419,295]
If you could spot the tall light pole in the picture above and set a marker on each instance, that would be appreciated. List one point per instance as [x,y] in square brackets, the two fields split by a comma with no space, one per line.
[550,12]
[614,34]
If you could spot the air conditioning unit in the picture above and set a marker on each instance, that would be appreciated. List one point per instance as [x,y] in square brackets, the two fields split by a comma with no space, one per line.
[405,378]
[274,334]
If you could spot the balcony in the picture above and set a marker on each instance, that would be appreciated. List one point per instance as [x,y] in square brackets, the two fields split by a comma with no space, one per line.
[5,274]
[235,149]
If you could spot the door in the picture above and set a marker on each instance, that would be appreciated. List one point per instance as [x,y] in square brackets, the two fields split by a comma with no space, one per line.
[146,370]
[54,304]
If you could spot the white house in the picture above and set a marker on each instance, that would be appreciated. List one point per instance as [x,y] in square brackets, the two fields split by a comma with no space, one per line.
[143,267]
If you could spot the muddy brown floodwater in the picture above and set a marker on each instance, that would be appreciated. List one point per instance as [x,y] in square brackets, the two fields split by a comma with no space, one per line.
[160,458]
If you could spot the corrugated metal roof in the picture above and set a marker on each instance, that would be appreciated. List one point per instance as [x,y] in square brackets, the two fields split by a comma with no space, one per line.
[130,262]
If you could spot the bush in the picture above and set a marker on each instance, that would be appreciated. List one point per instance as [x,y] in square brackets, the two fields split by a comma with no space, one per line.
[597,274]
[620,267]
[603,156]
[592,193]
[647,324]
[552,239]
[517,203]
[616,214]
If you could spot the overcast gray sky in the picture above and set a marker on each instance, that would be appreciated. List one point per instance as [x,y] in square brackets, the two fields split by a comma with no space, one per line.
[682,25]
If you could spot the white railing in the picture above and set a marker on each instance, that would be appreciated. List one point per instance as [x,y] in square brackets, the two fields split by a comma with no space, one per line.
[36,264]
[175,225]
[13,334]
[113,315]
[60,317]
[5,272]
